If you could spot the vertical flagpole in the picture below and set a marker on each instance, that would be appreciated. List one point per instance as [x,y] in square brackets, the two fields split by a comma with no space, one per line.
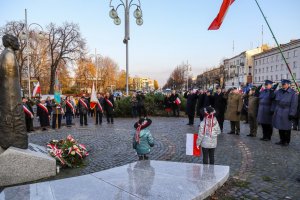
[285,61]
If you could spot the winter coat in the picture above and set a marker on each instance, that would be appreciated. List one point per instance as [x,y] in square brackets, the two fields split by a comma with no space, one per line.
[200,100]
[57,109]
[146,141]
[167,103]
[209,138]
[284,105]
[252,105]
[234,105]
[208,101]
[190,103]
[173,98]
[264,115]
[134,102]
[219,104]
[82,109]
[68,109]
[43,115]
[109,109]
[101,100]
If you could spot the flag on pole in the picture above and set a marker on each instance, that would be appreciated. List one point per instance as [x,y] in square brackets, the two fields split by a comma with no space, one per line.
[191,146]
[57,89]
[94,101]
[216,24]
[37,89]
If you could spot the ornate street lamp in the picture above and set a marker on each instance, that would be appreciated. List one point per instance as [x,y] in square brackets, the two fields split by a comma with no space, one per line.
[138,14]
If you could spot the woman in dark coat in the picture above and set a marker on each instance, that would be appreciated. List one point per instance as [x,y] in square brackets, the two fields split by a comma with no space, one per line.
[190,105]
[43,114]
[109,106]
[167,104]
[285,109]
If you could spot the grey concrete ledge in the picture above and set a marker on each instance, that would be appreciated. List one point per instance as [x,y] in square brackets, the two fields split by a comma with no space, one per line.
[138,180]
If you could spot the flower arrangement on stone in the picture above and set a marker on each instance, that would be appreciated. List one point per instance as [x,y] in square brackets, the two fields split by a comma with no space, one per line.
[68,152]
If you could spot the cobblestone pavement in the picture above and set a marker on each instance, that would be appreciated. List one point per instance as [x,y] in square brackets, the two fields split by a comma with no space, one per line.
[259,170]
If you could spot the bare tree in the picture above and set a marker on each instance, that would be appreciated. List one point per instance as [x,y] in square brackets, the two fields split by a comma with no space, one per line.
[65,44]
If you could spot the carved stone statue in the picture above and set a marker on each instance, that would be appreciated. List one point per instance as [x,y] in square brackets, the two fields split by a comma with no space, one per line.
[12,119]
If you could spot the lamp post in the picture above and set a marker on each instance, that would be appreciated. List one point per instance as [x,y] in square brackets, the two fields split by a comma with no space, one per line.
[25,36]
[139,21]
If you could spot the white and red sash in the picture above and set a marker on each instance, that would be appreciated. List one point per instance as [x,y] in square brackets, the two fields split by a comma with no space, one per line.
[83,103]
[109,102]
[100,107]
[70,106]
[27,111]
[44,108]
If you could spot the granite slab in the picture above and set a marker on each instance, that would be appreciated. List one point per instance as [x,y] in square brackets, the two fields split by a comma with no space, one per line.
[138,180]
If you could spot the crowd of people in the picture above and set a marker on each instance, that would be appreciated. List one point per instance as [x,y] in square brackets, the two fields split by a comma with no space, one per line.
[48,110]
[265,105]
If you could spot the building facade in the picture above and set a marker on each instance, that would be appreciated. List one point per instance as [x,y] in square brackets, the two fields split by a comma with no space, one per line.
[239,69]
[270,64]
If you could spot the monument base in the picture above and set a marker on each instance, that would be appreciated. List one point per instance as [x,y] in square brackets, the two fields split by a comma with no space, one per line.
[25,165]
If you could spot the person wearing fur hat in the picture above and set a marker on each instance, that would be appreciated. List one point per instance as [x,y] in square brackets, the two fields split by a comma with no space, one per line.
[142,139]
[207,136]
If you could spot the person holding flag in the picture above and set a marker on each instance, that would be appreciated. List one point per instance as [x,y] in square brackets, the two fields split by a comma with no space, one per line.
[29,115]
[83,110]
[43,114]
[174,98]
[69,111]
[109,106]
[58,111]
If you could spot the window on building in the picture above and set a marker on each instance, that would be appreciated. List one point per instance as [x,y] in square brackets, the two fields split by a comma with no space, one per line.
[263,61]
[281,67]
[267,70]
[295,53]
[271,68]
[256,63]
[259,62]
[259,70]
[295,64]
[255,79]
[294,74]
[271,78]
[263,78]
[272,59]
[255,71]
[259,78]
[288,55]
[281,76]
[287,76]
[267,77]
[276,57]
[276,77]
[263,70]
[276,67]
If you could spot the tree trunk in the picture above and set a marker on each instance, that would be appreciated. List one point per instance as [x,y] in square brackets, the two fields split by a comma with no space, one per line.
[52,81]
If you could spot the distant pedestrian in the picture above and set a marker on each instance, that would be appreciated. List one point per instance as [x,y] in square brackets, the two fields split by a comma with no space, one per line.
[175,103]
[69,111]
[264,116]
[190,105]
[167,104]
[219,104]
[200,100]
[134,105]
[109,107]
[141,105]
[142,139]
[83,107]
[233,111]
[285,109]
[43,114]
[99,109]
[207,136]
[252,111]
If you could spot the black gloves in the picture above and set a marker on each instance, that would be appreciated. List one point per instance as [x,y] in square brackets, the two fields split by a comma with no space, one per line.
[291,117]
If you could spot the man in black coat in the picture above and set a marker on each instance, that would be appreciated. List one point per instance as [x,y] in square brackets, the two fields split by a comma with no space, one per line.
[83,106]
[99,109]
[174,105]
[190,105]
[29,115]
[109,106]
[219,105]
[200,100]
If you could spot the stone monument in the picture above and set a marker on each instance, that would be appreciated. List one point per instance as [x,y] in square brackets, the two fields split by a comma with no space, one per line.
[18,164]
[12,123]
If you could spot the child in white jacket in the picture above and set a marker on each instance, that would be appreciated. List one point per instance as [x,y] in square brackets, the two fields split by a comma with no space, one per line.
[207,136]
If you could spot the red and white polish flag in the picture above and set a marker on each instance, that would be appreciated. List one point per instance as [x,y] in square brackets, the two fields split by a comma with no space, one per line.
[191,146]
[36,90]
[216,24]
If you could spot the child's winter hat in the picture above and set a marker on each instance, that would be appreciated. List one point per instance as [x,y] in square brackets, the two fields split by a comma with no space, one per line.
[143,123]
